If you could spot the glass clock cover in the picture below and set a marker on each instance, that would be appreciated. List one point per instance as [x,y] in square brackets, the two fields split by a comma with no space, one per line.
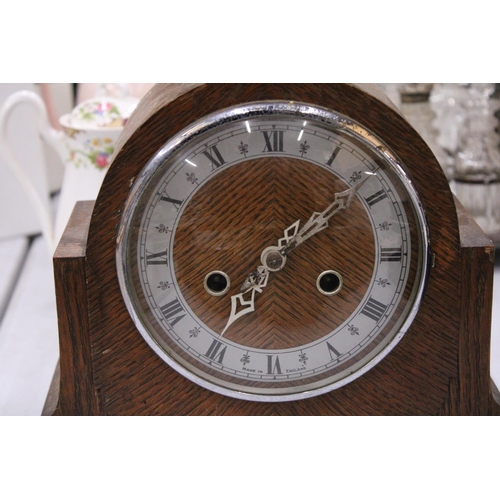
[273,251]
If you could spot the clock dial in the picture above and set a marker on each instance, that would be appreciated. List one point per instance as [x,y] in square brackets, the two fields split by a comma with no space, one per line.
[273,251]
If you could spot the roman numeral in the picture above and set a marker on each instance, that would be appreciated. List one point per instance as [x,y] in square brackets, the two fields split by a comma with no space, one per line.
[213,154]
[274,141]
[331,350]
[375,198]
[214,352]
[374,309]
[171,200]
[155,259]
[171,310]
[390,254]
[273,367]
[334,155]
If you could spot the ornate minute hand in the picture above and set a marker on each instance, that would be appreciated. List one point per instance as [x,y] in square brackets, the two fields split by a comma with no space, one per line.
[273,258]
[319,220]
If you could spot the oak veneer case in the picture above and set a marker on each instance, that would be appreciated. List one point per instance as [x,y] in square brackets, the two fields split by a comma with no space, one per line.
[440,367]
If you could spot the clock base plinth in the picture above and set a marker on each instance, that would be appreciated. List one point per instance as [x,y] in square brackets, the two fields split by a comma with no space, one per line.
[99,376]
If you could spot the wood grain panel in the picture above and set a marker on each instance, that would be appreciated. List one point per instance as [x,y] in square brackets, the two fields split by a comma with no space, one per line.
[77,394]
[228,224]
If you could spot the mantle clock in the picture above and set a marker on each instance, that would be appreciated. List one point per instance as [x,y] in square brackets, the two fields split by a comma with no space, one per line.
[273,249]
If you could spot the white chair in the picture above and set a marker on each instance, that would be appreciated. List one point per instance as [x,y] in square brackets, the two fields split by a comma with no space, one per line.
[28,320]
[30,169]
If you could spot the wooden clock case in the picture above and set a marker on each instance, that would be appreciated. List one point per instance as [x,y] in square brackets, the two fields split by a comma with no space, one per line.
[440,367]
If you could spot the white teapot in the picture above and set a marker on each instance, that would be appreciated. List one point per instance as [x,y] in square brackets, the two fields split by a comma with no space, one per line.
[85,145]
[92,128]
[90,133]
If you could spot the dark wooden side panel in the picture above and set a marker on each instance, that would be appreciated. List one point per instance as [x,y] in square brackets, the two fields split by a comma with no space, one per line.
[77,395]
[477,266]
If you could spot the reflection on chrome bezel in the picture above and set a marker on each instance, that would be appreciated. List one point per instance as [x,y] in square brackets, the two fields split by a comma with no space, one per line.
[314,113]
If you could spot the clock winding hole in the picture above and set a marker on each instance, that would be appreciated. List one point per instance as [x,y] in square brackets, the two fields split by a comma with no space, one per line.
[329,282]
[217,283]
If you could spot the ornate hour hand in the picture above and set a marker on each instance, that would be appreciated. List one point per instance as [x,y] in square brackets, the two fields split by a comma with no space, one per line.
[239,305]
